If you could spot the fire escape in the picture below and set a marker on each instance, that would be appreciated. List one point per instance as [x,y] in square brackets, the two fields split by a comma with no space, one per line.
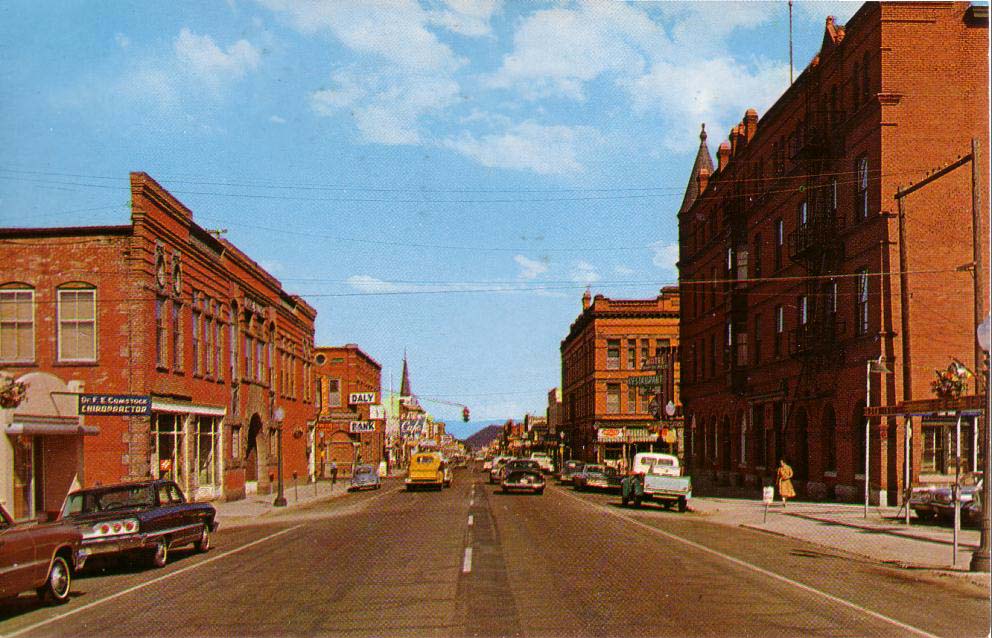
[817,246]
[736,293]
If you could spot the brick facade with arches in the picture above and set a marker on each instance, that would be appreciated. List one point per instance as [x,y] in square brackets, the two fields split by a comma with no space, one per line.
[166,309]
[790,256]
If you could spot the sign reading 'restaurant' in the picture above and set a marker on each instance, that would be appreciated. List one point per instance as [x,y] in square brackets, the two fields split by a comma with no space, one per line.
[115,404]
[361,397]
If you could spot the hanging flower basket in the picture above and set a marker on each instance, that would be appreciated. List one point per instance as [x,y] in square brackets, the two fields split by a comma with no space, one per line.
[950,383]
[11,392]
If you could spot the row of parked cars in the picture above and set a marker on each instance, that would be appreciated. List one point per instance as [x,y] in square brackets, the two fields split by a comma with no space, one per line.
[143,520]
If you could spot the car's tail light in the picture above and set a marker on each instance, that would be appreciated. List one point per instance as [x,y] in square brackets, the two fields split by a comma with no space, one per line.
[117,528]
[105,529]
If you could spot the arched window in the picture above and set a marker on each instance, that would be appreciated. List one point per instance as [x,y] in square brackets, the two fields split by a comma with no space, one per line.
[77,322]
[16,324]
[865,79]
[828,427]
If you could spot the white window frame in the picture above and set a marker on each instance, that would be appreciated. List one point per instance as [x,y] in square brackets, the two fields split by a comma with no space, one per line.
[14,292]
[59,322]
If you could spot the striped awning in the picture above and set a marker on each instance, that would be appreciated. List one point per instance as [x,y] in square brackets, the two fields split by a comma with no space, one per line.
[606,434]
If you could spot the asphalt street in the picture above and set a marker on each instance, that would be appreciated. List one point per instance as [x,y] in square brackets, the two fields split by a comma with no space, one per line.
[471,561]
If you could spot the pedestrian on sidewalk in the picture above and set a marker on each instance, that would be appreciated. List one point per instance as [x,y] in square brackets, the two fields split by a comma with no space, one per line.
[334,473]
[784,481]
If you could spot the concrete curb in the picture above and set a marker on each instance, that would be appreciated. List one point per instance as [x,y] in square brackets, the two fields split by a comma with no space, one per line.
[882,530]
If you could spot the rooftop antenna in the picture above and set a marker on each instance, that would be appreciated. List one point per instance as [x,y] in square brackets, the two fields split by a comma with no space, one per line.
[790,42]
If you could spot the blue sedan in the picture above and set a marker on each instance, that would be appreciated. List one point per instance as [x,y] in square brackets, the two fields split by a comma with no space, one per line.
[365,477]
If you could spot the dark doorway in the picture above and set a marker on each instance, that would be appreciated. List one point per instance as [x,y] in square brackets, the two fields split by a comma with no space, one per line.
[800,463]
[725,459]
[251,448]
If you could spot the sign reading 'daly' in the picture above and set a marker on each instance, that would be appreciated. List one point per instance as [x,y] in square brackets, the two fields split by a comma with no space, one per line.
[115,404]
[362,426]
[361,397]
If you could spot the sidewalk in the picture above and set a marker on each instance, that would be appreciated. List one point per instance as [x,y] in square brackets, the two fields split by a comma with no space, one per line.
[237,513]
[882,536]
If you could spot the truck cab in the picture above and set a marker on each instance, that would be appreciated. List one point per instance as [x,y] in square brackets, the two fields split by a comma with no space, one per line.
[656,477]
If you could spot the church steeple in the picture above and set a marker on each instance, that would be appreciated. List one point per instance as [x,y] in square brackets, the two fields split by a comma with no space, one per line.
[405,383]
[703,164]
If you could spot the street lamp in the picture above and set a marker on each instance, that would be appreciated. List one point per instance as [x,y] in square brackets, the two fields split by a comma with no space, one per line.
[980,561]
[278,415]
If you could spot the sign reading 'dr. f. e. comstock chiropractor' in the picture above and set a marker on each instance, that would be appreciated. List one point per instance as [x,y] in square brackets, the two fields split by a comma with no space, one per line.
[115,404]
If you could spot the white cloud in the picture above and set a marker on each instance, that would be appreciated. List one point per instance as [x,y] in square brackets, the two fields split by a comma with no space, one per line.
[530,268]
[467,17]
[394,30]
[557,51]
[386,108]
[623,270]
[817,12]
[275,119]
[666,255]
[201,55]
[374,285]
[122,40]
[585,273]
[546,150]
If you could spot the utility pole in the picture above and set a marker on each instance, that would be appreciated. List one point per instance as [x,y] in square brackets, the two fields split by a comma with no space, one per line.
[790,42]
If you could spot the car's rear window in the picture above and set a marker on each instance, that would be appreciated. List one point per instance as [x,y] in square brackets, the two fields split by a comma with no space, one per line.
[109,500]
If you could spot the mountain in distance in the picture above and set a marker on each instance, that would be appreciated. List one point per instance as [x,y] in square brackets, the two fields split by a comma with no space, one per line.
[483,437]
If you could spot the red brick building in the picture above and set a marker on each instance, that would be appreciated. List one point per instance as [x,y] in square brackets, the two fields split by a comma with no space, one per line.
[604,414]
[351,423]
[165,311]
[790,256]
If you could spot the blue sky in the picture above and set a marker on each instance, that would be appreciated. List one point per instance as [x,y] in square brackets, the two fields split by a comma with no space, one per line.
[442,177]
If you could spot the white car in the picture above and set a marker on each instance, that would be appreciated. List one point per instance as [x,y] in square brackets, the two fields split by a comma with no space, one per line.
[542,459]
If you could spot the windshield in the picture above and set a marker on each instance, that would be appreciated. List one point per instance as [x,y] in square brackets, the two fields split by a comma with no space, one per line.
[109,500]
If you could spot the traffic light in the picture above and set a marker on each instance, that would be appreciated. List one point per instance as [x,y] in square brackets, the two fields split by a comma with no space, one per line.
[465,414]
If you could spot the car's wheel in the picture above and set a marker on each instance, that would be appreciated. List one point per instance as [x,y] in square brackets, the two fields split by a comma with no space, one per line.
[540,491]
[624,500]
[682,504]
[637,501]
[56,587]
[160,555]
[203,545]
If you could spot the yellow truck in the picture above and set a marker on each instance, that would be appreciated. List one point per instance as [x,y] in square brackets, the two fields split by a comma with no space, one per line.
[426,470]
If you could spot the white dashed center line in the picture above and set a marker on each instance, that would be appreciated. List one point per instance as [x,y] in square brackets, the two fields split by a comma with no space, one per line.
[467,563]
[471,520]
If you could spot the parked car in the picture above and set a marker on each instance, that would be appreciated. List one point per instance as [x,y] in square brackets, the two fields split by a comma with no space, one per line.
[659,477]
[142,518]
[425,471]
[544,461]
[942,501]
[921,501]
[487,464]
[569,470]
[523,475]
[600,477]
[971,512]
[38,556]
[365,477]
[496,473]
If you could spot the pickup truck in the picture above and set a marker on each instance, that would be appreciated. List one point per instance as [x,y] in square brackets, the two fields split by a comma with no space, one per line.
[661,480]
[542,459]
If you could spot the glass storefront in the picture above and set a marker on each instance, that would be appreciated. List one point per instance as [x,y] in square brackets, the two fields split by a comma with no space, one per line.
[187,449]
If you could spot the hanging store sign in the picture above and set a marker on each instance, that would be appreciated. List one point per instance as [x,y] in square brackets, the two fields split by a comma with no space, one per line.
[115,404]
[645,382]
[361,397]
[377,412]
[362,426]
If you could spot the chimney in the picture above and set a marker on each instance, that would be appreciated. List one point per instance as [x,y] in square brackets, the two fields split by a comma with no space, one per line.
[723,156]
[735,140]
[586,299]
[750,124]
[703,179]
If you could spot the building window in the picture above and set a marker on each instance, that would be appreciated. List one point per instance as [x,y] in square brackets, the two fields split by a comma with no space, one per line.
[197,348]
[161,334]
[833,195]
[861,197]
[832,297]
[16,325]
[779,329]
[713,354]
[177,336]
[333,393]
[645,351]
[631,354]
[779,243]
[861,307]
[757,339]
[259,360]
[613,398]
[865,79]
[743,440]
[613,354]
[249,353]
[803,310]
[77,325]
[757,256]
[802,215]
[631,400]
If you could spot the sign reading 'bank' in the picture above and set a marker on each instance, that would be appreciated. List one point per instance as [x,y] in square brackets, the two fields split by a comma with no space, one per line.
[115,404]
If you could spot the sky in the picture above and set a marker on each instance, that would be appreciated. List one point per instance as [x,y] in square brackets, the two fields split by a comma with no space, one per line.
[441,178]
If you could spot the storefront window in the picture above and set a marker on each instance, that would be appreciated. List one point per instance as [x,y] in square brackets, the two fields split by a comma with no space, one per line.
[207,445]
[167,434]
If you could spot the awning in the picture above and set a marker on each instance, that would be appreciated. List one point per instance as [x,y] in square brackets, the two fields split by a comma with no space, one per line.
[49,427]
[626,435]
[178,407]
